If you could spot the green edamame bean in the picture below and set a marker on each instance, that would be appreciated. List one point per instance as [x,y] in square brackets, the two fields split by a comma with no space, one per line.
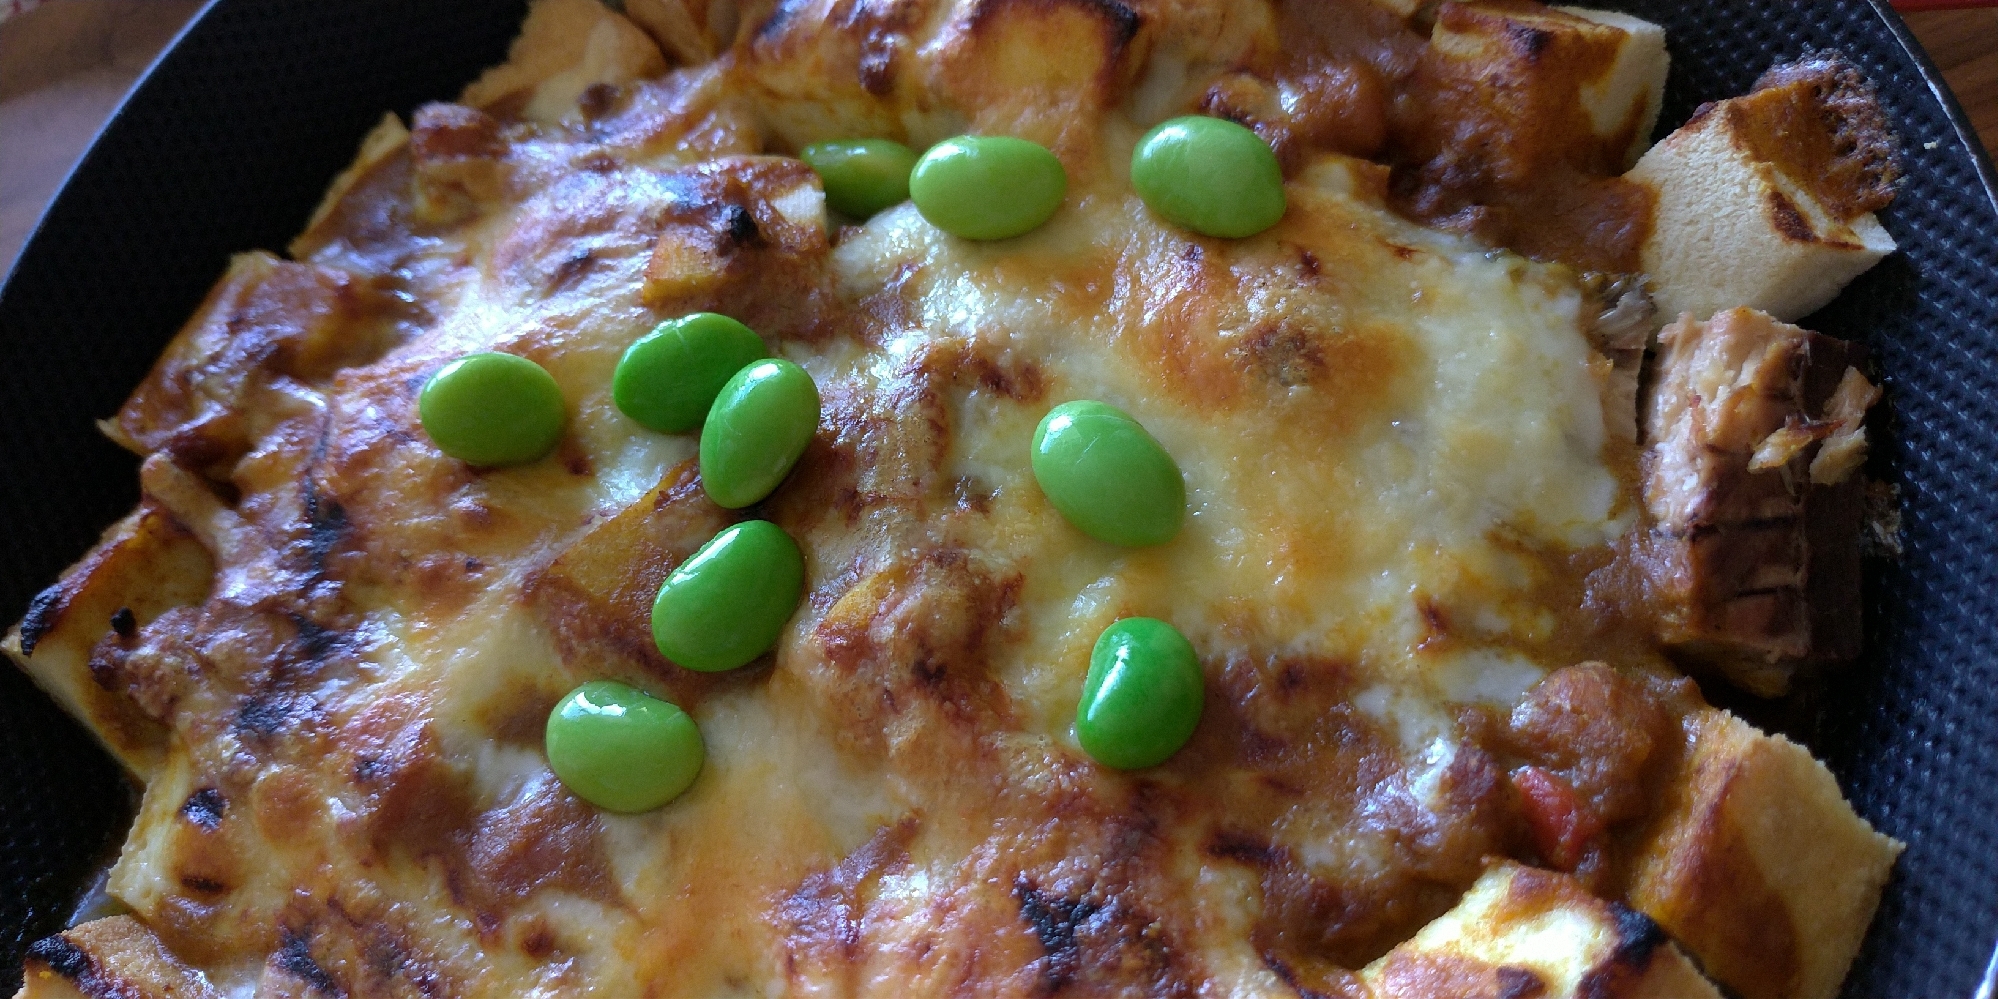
[728,603]
[1210,175]
[621,749]
[492,409]
[1142,698]
[861,176]
[1108,476]
[987,186]
[669,378]
[758,426]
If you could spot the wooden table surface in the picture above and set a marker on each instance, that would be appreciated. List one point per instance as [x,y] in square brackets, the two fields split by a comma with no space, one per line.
[65,64]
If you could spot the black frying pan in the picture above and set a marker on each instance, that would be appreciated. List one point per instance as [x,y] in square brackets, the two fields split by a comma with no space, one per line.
[229,140]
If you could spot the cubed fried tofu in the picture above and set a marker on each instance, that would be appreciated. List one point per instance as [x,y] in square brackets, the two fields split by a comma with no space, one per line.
[383,141]
[1767,200]
[116,956]
[1631,92]
[145,564]
[1523,931]
[753,215]
[993,56]
[1758,866]
[1542,65]
[565,47]
[1753,560]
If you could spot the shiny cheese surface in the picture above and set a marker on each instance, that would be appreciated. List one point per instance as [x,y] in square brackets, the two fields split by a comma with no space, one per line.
[1397,474]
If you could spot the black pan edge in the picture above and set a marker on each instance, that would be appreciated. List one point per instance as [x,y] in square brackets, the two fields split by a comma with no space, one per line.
[1939,88]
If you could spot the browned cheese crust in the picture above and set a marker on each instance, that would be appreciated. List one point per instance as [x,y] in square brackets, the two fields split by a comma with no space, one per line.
[1416,486]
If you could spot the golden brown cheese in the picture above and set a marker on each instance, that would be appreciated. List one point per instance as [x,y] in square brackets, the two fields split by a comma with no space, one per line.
[1400,470]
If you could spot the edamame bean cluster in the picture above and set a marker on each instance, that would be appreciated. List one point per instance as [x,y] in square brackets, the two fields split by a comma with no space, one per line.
[626,751]
[614,745]
[1209,175]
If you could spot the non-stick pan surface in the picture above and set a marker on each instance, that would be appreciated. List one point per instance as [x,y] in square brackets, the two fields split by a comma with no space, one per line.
[230,139]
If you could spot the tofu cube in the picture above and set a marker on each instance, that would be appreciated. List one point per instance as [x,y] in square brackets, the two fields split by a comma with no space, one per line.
[1522,931]
[1743,217]
[1758,866]
[1568,84]
[115,956]
[1631,92]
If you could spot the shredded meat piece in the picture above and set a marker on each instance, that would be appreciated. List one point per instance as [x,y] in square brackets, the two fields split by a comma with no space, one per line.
[1752,558]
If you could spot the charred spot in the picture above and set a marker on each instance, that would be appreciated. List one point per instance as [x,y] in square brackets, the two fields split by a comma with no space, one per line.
[1285,354]
[371,768]
[1054,920]
[1403,253]
[203,885]
[65,959]
[266,715]
[326,528]
[1637,937]
[739,225]
[295,957]
[313,643]
[43,613]
[1124,20]
[539,943]
[1308,264]
[1518,983]
[125,623]
[1528,41]
[389,957]
[929,671]
[1241,848]
[204,808]
[597,100]
[1788,220]
[1095,942]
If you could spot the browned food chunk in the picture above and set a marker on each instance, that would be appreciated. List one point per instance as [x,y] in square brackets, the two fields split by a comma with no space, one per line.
[1753,429]
[1756,864]
[116,956]
[1593,740]
[1767,200]
[1522,932]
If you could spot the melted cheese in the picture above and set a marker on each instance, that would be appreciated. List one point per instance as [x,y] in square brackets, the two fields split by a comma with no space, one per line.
[1392,440]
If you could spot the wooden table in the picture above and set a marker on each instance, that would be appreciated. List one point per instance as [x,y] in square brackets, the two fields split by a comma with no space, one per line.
[64,65]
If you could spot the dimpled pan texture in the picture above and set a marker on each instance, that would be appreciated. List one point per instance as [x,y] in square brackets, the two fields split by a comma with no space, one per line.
[231,138]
